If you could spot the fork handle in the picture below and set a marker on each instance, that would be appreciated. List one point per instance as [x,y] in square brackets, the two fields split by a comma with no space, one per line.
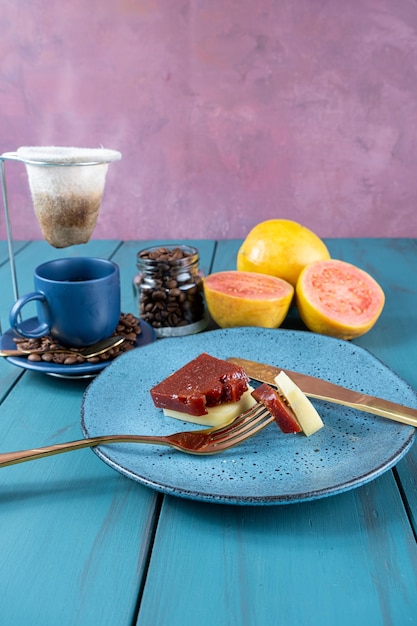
[11,458]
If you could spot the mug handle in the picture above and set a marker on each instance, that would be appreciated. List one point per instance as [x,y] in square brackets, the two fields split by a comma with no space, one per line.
[39,331]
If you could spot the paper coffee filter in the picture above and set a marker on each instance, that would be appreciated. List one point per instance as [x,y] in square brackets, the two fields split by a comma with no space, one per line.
[67,200]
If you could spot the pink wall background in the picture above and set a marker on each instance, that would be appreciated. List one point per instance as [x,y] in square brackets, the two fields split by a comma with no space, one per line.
[227,112]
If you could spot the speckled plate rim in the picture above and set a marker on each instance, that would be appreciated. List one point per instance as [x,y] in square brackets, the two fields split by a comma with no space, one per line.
[383,442]
[80,370]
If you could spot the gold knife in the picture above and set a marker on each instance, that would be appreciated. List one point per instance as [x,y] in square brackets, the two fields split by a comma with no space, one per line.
[324,390]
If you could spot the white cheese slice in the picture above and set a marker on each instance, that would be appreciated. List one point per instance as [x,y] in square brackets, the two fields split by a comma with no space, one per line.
[307,416]
[217,415]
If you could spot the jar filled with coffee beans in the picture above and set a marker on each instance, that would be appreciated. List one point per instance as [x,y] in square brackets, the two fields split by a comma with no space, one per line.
[170,288]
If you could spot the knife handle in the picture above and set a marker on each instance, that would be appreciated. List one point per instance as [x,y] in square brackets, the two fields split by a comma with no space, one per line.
[376,406]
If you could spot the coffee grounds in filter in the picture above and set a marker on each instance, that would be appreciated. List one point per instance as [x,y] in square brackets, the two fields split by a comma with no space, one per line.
[67,200]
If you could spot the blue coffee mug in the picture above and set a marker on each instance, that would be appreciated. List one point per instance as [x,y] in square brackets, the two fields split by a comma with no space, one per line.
[77,301]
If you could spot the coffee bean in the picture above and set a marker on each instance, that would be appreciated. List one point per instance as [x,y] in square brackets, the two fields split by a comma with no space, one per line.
[158,295]
[70,360]
[34,357]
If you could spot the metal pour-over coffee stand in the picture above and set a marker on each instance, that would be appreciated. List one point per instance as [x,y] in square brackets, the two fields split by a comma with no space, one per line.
[14,156]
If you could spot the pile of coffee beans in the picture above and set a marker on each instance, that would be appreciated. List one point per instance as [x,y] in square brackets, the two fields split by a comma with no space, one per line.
[170,287]
[128,327]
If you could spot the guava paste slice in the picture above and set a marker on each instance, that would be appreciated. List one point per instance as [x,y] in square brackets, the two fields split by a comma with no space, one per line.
[203,382]
[282,413]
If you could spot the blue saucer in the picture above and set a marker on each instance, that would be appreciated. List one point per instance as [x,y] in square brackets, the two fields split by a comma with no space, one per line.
[80,370]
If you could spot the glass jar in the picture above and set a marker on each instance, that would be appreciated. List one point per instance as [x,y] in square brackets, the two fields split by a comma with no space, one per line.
[170,289]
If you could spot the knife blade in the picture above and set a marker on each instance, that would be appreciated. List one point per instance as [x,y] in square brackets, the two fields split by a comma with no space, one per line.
[320,389]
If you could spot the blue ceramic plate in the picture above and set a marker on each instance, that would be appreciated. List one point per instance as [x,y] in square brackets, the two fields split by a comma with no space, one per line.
[271,468]
[80,370]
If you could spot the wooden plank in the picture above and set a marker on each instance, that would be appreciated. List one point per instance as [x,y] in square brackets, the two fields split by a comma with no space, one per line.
[342,560]
[75,534]
[8,377]
[5,261]
[4,249]
[8,374]
[406,470]
[226,255]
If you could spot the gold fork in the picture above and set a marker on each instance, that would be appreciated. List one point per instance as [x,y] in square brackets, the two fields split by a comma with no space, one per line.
[200,442]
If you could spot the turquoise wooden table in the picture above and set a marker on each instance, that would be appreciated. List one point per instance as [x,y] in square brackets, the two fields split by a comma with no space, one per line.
[82,545]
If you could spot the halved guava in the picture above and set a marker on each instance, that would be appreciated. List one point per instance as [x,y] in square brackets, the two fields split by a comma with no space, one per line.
[338,299]
[237,298]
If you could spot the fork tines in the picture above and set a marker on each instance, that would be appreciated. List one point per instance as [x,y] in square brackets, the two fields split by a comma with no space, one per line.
[244,426]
